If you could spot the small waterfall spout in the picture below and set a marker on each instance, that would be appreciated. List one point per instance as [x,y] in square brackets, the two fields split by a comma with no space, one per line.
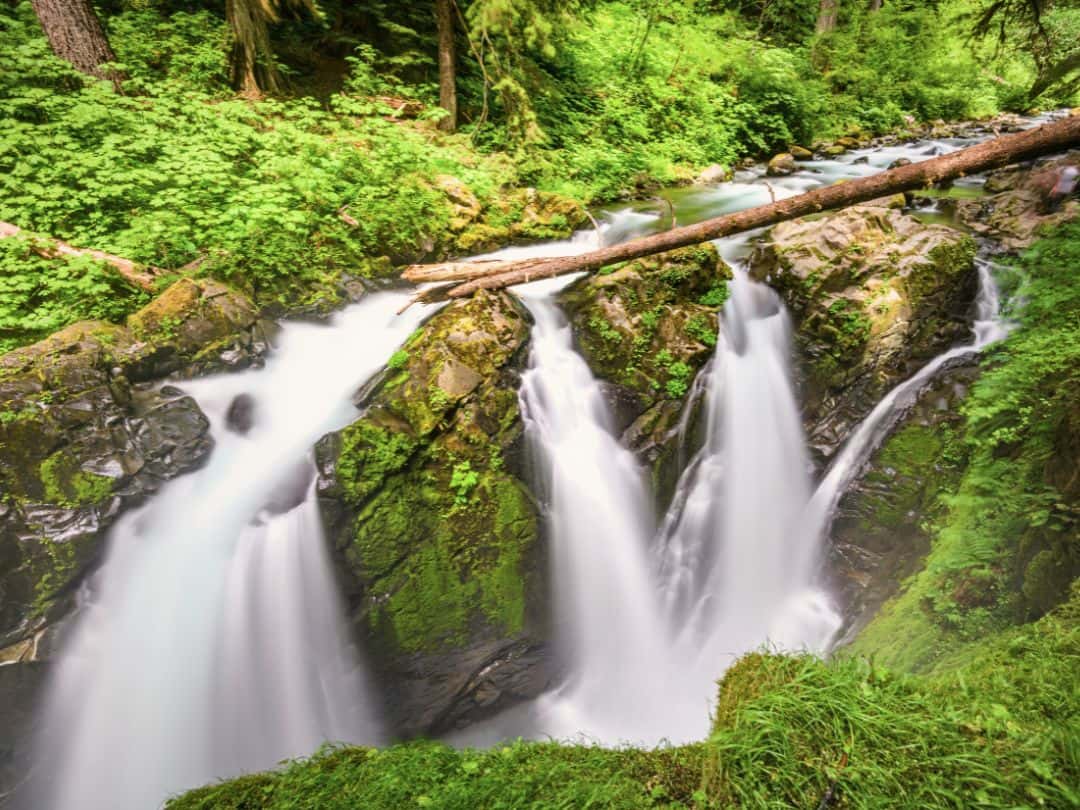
[212,642]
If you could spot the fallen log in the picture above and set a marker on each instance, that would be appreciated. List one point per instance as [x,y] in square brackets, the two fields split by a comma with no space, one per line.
[50,248]
[1046,139]
[453,271]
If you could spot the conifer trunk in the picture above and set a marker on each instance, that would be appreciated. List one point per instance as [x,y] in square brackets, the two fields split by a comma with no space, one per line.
[76,36]
[827,12]
[444,18]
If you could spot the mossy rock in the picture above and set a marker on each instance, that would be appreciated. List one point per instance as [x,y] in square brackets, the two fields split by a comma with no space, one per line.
[193,324]
[875,294]
[883,527]
[646,328]
[78,444]
[435,531]
[1016,213]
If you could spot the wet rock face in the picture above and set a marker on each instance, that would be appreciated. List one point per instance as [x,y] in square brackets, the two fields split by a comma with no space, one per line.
[21,686]
[77,445]
[1021,203]
[646,329]
[435,533]
[875,294]
[82,438]
[881,532]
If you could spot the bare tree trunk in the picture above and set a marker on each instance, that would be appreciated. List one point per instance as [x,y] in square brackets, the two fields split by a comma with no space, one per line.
[75,35]
[875,5]
[444,18]
[1046,139]
[827,12]
[52,248]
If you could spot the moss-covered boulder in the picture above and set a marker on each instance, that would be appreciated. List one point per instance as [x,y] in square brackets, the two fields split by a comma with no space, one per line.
[77,443]
[646,328]
[435,531]
[83,435]
[1017,212]
[875,294]
[518,215]
[196,325]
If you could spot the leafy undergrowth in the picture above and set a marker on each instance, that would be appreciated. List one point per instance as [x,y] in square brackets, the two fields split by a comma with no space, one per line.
[1002,730]
[40,296]
[1005,550]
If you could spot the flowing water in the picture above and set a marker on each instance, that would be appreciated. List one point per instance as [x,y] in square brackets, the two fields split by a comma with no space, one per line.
[212,641]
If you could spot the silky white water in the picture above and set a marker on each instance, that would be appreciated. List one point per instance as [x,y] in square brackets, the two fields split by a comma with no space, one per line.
[212,641]
[734,564]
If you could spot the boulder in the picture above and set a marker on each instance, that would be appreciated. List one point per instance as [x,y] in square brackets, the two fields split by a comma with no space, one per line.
[78,444]
[782,165]
[646,329]
[710,175]
[835,150]
[434,531]
[801,153]
[875,294]
[900,163]
[84,436]
[1018,209]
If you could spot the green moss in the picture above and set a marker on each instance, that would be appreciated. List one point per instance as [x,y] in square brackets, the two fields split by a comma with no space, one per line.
[369,453]
[65,484]
[997,730]
[398,360]
[520,775]
[702,330]
[438,564]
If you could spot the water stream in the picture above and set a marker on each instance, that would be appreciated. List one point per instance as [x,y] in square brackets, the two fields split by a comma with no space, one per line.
[213,642]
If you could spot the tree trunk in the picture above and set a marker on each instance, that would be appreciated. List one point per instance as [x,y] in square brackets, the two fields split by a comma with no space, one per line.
[875,5]
[444,18]
[1046,139]
[52,248]
[827,11]
[75,35]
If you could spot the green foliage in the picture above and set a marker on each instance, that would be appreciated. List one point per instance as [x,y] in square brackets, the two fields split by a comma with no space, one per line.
[39,296]
[463,481]
[1001,730]
[987,568]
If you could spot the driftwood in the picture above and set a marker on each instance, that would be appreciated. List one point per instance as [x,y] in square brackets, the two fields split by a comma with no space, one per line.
[1046,139]
[50,248]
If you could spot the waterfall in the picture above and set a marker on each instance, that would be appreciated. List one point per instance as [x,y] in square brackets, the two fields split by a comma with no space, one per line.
[738,564]
[609,626]
[212,640]
[989,327]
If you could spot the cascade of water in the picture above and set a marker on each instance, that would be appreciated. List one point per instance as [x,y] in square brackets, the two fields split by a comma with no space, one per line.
[989,327]
[738,565]
[212,641]
[600,526]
